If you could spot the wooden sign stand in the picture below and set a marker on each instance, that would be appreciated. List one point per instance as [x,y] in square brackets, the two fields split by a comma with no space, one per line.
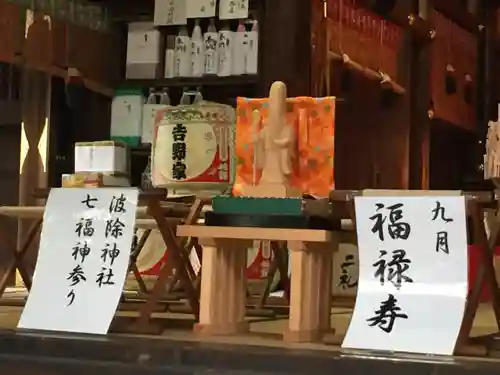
[17,262]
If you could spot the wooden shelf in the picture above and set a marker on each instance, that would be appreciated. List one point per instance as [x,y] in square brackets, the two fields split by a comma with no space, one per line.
[141,150]
[244,80]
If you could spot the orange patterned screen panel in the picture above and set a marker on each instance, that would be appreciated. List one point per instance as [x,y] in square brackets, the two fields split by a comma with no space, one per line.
[314,123]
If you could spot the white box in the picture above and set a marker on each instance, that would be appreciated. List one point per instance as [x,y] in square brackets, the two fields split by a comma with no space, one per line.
[107,157]
[143,51]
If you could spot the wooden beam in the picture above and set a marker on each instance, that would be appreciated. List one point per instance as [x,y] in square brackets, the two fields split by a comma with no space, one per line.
[129,10]
[420,105]
[286,46]
[486,89]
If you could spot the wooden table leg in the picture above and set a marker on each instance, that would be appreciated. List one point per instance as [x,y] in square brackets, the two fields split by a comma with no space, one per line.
[199,253]
[282,258]
[271,274]
[186,247]
[133,261]
[308,306]
[137,247]
[175,261]
[223,289]
[488,252]
[17,262]
[173,283]
[277,264]
[485,271]
[325,277]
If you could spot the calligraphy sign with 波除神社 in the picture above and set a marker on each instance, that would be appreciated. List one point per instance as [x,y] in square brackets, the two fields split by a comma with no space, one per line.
[412,285]
[83,260]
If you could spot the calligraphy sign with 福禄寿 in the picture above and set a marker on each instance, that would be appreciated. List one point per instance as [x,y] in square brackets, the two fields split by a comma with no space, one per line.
[412,274]
[83,260]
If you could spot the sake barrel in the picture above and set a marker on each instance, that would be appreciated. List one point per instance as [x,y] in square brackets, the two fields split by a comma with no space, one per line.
[259,258]
[193,148]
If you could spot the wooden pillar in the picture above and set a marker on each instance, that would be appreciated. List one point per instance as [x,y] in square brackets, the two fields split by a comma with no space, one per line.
[286,46]
[35,99]
[223,288]
[35,96]
[420,100]
[310,299]
[10,125]
[391,122]
[487,80]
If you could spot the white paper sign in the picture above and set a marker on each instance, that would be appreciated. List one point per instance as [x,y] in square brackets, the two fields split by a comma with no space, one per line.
[233,9]
[82,261]
[200,8]
[170,12]
[413,274]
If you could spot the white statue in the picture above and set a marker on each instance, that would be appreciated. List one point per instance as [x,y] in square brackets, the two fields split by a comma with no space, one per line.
[274,147]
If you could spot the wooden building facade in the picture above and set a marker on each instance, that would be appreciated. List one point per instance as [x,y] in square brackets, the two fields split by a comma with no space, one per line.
[413,130]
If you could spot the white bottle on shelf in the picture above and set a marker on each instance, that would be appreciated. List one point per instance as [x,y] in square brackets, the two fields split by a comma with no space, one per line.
[198,97]
[226,47]
[197,55]
[185,98]
[252,56]
[211,42]
[152,97]
[240,49]
[164,98]
[170,57]
[183,53]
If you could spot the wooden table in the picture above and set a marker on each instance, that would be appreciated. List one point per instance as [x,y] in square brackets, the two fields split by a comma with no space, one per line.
[223,292]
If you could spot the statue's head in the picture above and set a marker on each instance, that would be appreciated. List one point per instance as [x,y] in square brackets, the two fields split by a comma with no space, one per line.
[277,98]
